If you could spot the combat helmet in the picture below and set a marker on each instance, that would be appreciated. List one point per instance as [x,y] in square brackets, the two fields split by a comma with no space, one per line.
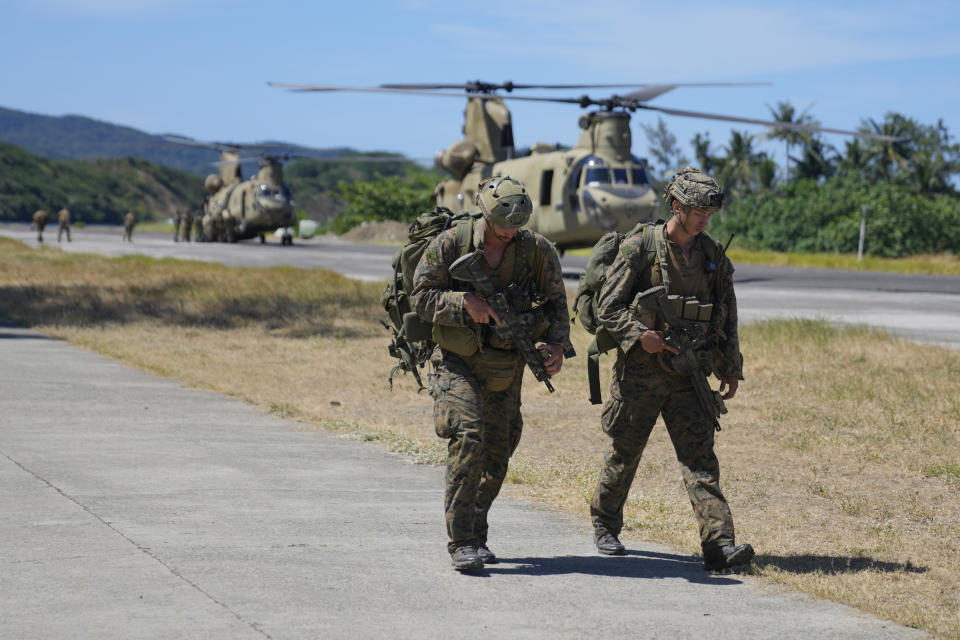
[504,201]
[693,188]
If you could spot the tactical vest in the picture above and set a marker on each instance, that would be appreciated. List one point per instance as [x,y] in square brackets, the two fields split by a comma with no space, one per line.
[495,361]
[655,268]
[413,337]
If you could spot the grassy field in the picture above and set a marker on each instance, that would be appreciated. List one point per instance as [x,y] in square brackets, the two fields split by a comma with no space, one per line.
[840,455]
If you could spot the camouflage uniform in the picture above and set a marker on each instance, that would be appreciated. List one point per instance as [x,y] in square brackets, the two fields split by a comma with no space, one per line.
[63,220]
[476,402]
[128,222]
[177,222]
[642,389]
[39,222]
[187,225]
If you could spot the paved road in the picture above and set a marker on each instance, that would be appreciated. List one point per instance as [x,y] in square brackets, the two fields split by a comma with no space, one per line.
[922,308]
[134,508]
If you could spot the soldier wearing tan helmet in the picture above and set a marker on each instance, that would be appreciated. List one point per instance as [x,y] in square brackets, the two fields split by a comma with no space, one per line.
[681,256]
[476,385]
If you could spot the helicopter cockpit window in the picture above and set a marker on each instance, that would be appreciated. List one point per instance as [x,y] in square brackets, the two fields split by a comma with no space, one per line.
[598,175]
[620,176]
[638,173]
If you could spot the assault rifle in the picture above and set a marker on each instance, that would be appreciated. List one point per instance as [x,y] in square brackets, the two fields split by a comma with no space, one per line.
[515,327]
[690,339]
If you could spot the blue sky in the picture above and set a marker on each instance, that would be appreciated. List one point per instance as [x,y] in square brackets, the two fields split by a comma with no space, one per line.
[199,67]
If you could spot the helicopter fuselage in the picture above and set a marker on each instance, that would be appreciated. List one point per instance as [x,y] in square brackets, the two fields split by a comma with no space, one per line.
[578,194]
[246,209]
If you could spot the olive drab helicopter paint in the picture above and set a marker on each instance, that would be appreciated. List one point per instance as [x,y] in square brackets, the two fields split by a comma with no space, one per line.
[578,194]
[237,209]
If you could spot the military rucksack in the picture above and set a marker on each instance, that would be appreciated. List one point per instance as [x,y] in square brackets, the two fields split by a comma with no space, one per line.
[412,336]
[602,255]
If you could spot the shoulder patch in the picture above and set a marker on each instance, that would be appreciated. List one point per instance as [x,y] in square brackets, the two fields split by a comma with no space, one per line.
[626,249]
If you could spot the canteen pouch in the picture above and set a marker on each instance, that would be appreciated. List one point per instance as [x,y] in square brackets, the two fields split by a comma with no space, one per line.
[459,340]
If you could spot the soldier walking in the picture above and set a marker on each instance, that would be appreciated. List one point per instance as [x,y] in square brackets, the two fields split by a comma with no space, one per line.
[691,264]
[129,221]
[476,387]
[39,222]
[187,224]
[63,219]
[177,222]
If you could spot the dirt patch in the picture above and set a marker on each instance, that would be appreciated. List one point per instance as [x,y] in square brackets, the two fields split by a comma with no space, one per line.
[386,232]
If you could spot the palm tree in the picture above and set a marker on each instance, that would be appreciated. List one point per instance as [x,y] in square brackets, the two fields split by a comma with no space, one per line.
[818,160]
[786,112]
[701,150]
[889,158]
[739,171]
[854,158]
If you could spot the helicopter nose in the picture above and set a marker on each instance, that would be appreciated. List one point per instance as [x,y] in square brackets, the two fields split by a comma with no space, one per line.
[617,208]
[594,207]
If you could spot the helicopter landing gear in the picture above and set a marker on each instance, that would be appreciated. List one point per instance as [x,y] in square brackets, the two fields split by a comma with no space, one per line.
[286,239]
[263,239]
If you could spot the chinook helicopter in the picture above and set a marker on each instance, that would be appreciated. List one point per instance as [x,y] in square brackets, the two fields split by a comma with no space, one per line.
[237,209]
[578,194]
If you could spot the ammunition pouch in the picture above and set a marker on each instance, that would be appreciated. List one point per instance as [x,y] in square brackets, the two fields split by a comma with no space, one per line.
[685,307]
[459,340]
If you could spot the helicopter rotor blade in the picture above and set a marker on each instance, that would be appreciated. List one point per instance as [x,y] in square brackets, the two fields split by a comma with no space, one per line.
[794,126]
[627,102]
[649,93]
[508,86]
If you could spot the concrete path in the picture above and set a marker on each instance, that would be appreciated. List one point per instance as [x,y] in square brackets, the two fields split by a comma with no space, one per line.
[135,508]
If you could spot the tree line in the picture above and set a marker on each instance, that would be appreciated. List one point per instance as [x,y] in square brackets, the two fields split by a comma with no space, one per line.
[813,200]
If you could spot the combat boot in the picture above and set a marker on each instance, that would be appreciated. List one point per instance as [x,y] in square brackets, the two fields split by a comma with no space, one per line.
[485,554]
[466,558]
[719,558]
[608,544]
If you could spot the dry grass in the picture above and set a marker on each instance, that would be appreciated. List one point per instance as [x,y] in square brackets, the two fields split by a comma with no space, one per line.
[841,453]
[938,265]
[945,264]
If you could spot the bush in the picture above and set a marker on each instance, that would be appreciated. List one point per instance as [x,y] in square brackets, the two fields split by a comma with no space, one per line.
[811,216]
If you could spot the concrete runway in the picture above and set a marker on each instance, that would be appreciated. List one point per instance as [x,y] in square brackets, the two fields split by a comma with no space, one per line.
[920,308]
[135,508]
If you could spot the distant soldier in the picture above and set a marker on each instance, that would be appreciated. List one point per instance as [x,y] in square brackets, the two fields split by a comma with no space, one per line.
[39,222]
[187,224]
[198,233]
[177,221]
[129,221]
[63,219]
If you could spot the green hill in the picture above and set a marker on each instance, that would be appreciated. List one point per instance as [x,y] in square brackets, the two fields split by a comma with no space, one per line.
[96,191]
[100,170]
[77,137]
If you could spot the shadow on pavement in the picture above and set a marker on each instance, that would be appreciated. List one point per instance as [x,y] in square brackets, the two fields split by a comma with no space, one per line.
[10,331]
[809,563]
[636,564]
